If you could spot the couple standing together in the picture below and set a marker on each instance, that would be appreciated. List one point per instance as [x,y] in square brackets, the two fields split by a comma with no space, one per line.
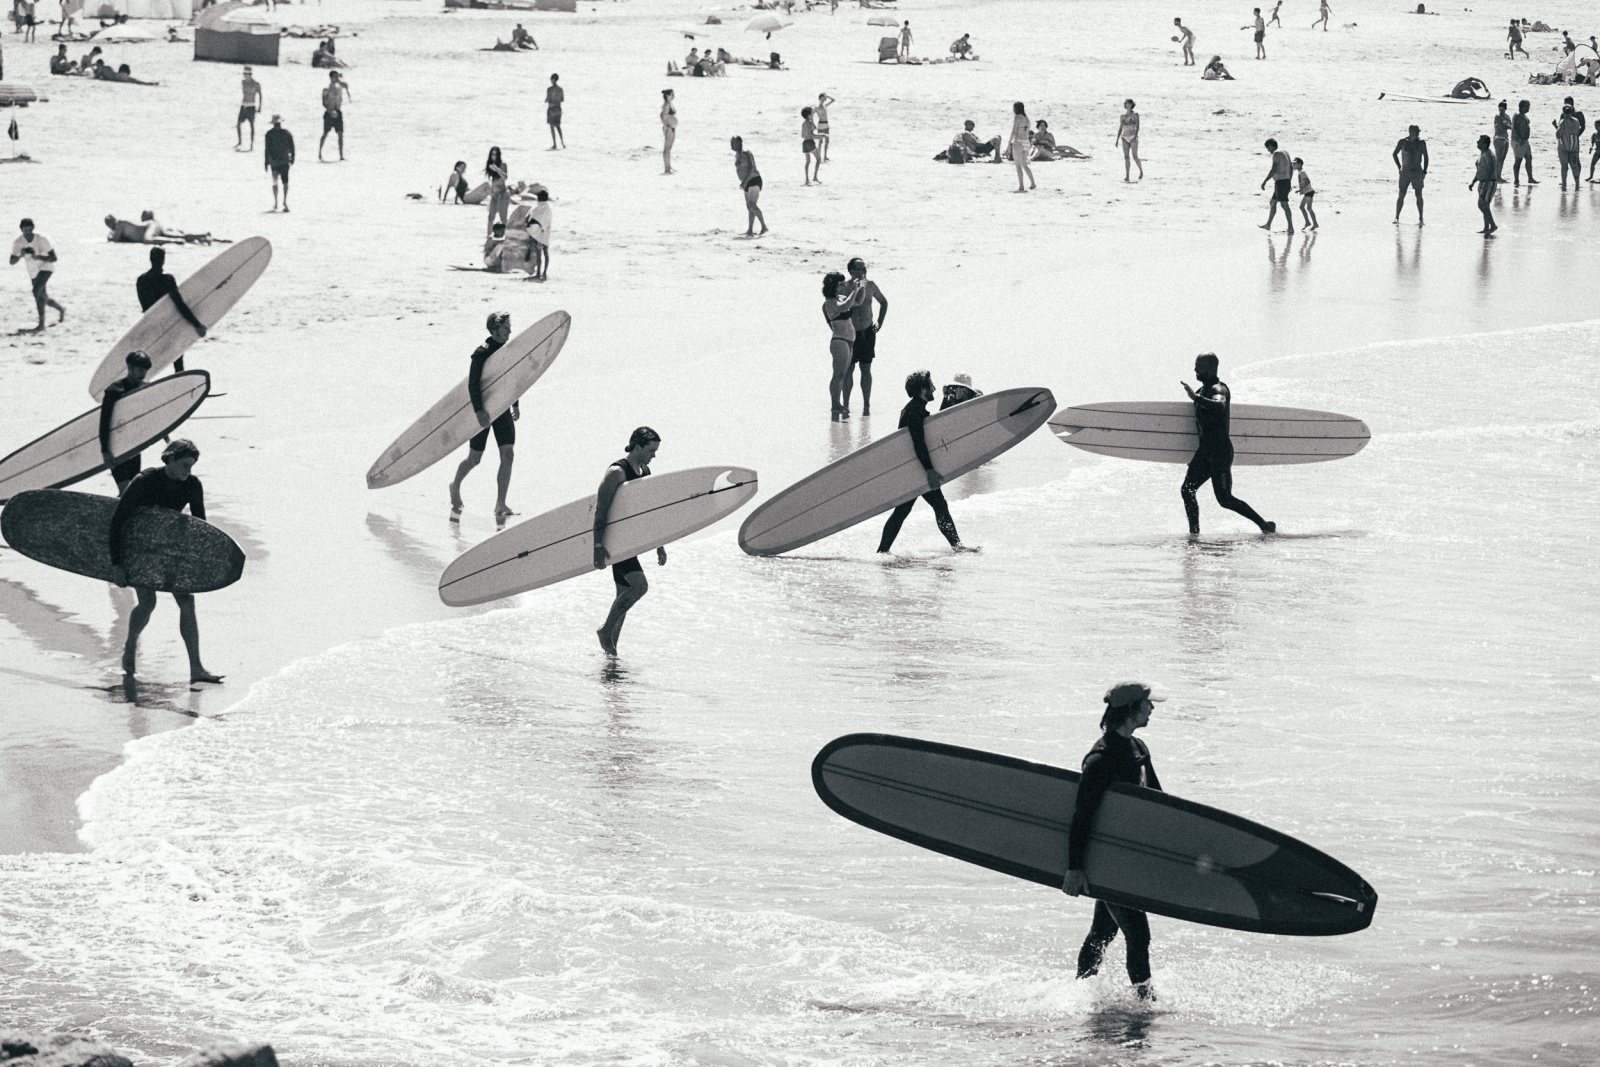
[847,308]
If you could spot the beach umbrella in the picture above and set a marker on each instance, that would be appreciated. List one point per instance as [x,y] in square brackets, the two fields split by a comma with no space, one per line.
[883,20]
[767,24]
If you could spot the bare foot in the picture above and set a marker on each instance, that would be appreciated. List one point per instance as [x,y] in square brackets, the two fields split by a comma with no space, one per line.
[128,660]
[605,642]
[203,675]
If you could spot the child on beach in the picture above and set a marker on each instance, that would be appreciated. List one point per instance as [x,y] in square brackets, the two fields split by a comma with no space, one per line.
[808,147]
[1308,215]
[1187,41]
[1260,26]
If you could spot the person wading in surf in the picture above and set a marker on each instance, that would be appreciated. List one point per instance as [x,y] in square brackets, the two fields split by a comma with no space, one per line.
[504,425]
[919,387]
[1213,460]
[126,471]
[172,486]
[628,574]
[1117,757]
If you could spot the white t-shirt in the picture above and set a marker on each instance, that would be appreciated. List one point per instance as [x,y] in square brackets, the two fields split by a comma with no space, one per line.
[41,247]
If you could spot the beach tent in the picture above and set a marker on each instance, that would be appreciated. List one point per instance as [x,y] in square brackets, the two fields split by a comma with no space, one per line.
[140,9]
[236,33]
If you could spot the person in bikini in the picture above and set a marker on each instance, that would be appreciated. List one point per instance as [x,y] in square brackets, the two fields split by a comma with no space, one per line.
[504,425]
[626,574]
[1128,138]
[669,129]
[1213,458]
[252,102]
[839,304]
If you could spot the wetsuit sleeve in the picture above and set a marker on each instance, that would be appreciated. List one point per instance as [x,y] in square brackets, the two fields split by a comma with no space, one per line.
[919,441]
[107,404]
[1091,791]
[197,498]
[130,501]
[475,381]
[1150,779]
[177,302]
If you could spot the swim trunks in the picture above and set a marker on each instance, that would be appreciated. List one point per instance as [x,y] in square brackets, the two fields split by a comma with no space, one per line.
[620,571]
[1520,150]
[808,146]
[1261,35]
[1280,189]
[247,113]
[552,116]
[505,433]
[753,182]
[866,346]
[280,171]
[333,120]
[1411,179]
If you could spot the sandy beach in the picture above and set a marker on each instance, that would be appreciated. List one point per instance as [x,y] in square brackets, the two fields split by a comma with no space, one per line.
[1095,288]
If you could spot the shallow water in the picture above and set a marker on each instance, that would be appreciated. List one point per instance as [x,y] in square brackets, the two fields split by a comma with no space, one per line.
[471,842]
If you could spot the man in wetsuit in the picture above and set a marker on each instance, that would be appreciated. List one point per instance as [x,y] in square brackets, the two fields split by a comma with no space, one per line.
[1214,458]
[626,574]
[156,283]
[1117,757]
[1411,159]
[128,469]
[171,486]
[504,425]
[865,349]
[919,387]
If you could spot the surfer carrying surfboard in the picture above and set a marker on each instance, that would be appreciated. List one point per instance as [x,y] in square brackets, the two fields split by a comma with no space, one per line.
[126,471]
[173,486]
[1213,459]
[1117,757]
[919,387]
[156,283]
[504,425]
[628,574]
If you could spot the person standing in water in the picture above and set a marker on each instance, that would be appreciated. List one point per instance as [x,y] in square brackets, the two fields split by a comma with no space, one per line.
[1128,138]
[247,112]
[1502,141]
[1187,39]
[1021,144]
[744,164]
[334,95]
[1521,150]
[172,486]
[627,574]
[669,129]
[1484,180]
[1569,144]
[38,256]
[156,283]
[553,98]
[504,425]
[126,471]
[497,172]
[277,150]
[1260,27]
[1308,213]
[865,348]
[838,309]
[1410,157]
[820,114]
[919,387]
[1213,459]
[1117,756]
[1280,174]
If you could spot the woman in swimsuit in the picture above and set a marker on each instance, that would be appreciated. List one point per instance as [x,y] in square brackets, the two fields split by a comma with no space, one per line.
[836,310]
[1021,144]
[669,129]
[499,196]
[1128,137]
[628,574]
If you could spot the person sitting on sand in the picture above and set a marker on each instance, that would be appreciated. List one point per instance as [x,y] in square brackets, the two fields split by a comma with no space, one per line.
[455,185]
[493,248]
[975,148]
[1045,148]
[60,64]
[88,60]
[961,47]
[523,39]
[692,60]
[1215,71]
[1470,89]
[324,55]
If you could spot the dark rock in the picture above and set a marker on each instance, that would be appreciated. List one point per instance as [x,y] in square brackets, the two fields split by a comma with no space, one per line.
[232,1054]
[59,1050]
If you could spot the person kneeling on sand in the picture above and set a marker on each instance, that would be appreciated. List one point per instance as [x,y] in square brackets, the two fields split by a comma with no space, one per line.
[60,64]
[1215,71]
[975,147]
[961,47]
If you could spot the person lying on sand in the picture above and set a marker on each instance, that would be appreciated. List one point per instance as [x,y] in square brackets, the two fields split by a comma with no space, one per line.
[1215,71]
[124,73]
[148,231]
[1045,148]
[502,46]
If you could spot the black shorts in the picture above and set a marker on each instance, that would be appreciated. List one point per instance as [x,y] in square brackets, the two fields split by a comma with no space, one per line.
[620,571]
[1411,179]
[753,182]
[808,146]
[247,113]
[505,433]
[866,345]
[1280,189]
[1308,194]
[39,281]
[280,171]
[333,120]
[126,471]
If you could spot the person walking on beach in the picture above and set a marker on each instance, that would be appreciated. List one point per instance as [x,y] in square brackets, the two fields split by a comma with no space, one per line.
[122,473]
[627,574]
[334,95]
[1128,138]
[1021,144]
[247,112]
[1484,180]
[504,425]
[839,304]
[1410,157]
[1273,20]
[156,283]
[919,387]
[277,150]
[1594,152]
[1308,213]
[744,164]
[1260,26]
[172,486]
[1521,149]
[1213,458]
[1279,175]
[669,129]
[1502,141]
[497,172]
[38,256]
[553,98]
[905,40]
[1117,756]
[1514,36]
[1569,134]
[539,233]
[808,146]
[1323,12]
[820,115]
[1187,39]
[865,347]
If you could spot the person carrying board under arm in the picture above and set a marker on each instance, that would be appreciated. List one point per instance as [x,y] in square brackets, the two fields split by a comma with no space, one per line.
[1117,757]
[627,574]
[504,425]
[919,387]
[126,471]
[156,283]
[1213,459]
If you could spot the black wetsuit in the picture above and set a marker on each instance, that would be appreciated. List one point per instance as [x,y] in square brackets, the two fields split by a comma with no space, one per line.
[912,416]
[156,283]
[631,565]
[1213,460]
[127,470]
[504,426]
[955,393]
[153,489]
[1113,758]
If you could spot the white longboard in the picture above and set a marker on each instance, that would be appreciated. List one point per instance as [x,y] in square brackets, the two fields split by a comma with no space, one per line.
[71,452]
[449,424]
[1407,98]
[886,473]
[163,334]
[646,513]
[1164,432]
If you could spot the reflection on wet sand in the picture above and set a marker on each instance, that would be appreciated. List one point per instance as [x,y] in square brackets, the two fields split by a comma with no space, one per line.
[410,553]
